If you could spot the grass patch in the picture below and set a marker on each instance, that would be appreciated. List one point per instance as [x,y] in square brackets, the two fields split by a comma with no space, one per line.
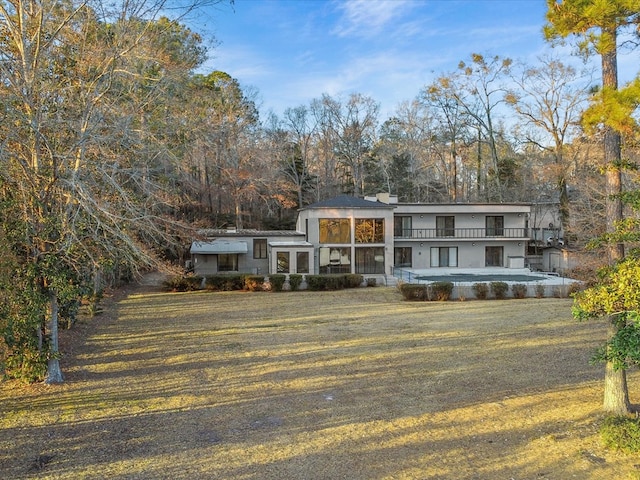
[355,383]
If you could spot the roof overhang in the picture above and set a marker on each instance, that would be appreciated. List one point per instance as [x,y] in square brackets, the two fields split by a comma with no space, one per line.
[219,247]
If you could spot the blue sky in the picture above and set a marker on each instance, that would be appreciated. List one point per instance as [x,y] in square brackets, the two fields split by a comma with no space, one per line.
[292,51]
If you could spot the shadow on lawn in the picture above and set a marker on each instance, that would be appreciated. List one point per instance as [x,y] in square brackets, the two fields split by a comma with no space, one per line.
[224,393]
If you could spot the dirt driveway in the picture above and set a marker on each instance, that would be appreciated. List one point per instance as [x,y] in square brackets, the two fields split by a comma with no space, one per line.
[356,384]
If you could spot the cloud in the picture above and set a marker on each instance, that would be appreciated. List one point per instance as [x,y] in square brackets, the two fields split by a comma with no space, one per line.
[367,18]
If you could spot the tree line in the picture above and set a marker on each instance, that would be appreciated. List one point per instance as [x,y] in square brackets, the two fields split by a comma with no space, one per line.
[115,148]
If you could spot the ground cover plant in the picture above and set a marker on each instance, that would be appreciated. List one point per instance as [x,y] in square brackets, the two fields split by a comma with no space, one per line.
[355,383]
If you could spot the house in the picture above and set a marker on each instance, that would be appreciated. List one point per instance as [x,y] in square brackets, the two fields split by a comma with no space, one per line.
[251,251]
[373,236]
[460,235]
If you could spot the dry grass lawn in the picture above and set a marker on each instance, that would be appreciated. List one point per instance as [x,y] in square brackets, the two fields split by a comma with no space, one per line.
[355,384]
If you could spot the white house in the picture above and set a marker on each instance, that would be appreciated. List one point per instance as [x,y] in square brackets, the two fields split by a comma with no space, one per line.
[373,236]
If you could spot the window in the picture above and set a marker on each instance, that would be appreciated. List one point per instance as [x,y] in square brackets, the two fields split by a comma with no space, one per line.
[369,230]
[444,256]
[228,262]
[445,226]
[334,230]
[283,262]
[495,226]
[259,248]
[370,260]
[335,260]
[302,262]
[402,257]
[402,227]
[493,257]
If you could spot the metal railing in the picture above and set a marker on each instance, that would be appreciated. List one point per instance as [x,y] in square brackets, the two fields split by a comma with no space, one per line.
[458,233]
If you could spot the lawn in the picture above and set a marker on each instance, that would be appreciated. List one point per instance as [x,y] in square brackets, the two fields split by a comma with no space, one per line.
[355,384]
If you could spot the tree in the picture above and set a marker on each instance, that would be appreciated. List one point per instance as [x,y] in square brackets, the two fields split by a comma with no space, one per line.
[76,162]
[597,25]
[550,101]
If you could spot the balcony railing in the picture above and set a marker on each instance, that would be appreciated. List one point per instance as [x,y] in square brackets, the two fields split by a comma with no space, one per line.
[461,233]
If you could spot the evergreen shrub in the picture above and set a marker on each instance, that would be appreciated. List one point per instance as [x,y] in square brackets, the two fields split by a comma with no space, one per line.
[225,282]
[277,281]
[481,290]
[499,290]
[295,280]
[414,292]
[441,291]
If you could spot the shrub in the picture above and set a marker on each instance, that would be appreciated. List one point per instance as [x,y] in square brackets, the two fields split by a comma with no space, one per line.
[499,289]
[539,290]
[371,282]
[225,282]
[326,282]
[519,290]
[183,283]
[277,281]
[412,291]
[254,283]
[621,433]
[352,280]
[295,280]
[441,291]
[481,290]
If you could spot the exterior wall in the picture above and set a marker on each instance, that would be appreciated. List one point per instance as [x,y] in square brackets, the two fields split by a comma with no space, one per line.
[309,221]
[469,233]
[208,264]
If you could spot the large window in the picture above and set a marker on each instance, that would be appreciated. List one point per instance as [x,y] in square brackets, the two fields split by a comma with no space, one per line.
[495,226]
[283,262]
[228,262]
[369,230]
[370,260]
[445,226]
[444,256]
[302,262]
[493,257]
[259,248]
[402,227]
[402,257]
[335,260]
[335,230]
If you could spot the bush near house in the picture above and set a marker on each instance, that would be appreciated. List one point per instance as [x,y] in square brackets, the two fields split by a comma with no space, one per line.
[519,290]
[481,290]
[277,281]
[334,282]
[499,289]
[183,283]
[353,280]
[295,280]
[225,282]
[441,291]
[254,283]
[412,291]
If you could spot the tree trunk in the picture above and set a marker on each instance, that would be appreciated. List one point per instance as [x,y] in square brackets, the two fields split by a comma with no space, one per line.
[616,394]
[54,373]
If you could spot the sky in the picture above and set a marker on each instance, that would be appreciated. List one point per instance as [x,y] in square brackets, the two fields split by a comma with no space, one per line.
[292,51]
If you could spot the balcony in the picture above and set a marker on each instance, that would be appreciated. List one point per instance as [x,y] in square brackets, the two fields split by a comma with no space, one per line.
[461,233]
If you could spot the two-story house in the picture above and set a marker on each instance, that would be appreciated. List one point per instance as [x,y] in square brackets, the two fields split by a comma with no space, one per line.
[373,236]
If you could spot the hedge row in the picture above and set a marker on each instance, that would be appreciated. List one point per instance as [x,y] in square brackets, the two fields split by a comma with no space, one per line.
[254,283]
[442,291]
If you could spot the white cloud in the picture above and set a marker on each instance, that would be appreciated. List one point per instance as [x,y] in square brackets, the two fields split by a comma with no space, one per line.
[367,18]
